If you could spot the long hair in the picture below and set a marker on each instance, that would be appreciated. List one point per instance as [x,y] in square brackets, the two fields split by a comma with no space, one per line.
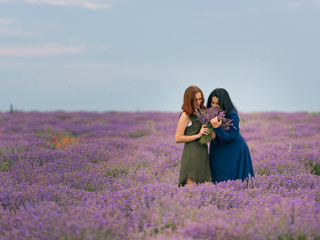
[224,102]
[189,98]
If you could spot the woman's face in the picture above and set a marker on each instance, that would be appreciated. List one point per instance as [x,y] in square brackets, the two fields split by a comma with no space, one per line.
[197,100]
[215,102]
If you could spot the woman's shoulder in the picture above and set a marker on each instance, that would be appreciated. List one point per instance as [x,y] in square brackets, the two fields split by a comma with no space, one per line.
[184,115]
[233,113]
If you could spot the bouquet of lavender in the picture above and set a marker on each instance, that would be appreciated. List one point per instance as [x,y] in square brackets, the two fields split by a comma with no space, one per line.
[205,115]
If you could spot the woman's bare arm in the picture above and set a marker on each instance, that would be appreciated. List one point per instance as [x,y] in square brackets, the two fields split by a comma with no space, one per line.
[183,122]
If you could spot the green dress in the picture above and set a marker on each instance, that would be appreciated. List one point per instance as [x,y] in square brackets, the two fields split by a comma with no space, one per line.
[195,159]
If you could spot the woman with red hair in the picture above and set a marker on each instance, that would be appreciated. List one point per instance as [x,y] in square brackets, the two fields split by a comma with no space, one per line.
[195,166]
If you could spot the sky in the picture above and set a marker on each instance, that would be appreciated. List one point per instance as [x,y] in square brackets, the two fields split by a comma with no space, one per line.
[141,55]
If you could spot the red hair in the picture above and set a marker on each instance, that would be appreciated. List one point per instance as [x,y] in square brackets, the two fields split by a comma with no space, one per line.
[189,98]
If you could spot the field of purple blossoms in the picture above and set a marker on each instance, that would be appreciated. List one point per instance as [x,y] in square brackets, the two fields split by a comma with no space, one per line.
[114,175]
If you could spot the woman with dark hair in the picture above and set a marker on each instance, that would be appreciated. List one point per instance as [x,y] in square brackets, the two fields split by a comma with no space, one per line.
[229,154]
[194,161]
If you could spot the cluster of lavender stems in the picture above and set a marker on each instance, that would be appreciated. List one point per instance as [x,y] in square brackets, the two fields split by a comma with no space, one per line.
[115,176]
[205,116]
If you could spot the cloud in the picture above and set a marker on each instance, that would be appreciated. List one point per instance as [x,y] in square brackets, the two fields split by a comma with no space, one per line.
[304,3]
[13,32]
[17,33]
[7,21]
[41,50]
[76,72]
[102,47]
[87,4]
[47,50]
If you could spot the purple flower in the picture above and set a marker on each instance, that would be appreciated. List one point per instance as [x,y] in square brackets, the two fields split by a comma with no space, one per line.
[205,116]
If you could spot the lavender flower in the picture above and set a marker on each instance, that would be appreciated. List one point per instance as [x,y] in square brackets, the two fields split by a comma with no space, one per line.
[115,186]
[205,116]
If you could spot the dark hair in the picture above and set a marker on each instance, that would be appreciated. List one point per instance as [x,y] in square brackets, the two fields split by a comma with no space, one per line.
[189,98]
[224,100]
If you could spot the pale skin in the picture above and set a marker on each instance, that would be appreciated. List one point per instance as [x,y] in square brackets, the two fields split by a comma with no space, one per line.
[182,125]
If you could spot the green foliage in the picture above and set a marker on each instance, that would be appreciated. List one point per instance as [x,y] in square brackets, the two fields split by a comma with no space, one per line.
[315,167]
[206,138]
[139,133]
[137,167]
[290,147]
[5,166]
[302,237]
[90,188]
[262,172]
[45,135]
[276,117]
[116,172]
[11,149]
[289,236]
[63,117]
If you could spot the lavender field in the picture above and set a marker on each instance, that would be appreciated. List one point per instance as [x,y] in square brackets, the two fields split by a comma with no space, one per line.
[114,175]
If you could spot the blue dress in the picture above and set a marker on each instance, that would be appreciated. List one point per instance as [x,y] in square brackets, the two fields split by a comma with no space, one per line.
[229,154]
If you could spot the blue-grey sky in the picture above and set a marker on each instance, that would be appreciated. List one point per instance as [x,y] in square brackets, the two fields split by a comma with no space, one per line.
[140,55]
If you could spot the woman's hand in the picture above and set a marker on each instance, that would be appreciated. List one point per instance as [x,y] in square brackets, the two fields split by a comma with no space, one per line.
[213,135]
[204,130]
[215,123]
